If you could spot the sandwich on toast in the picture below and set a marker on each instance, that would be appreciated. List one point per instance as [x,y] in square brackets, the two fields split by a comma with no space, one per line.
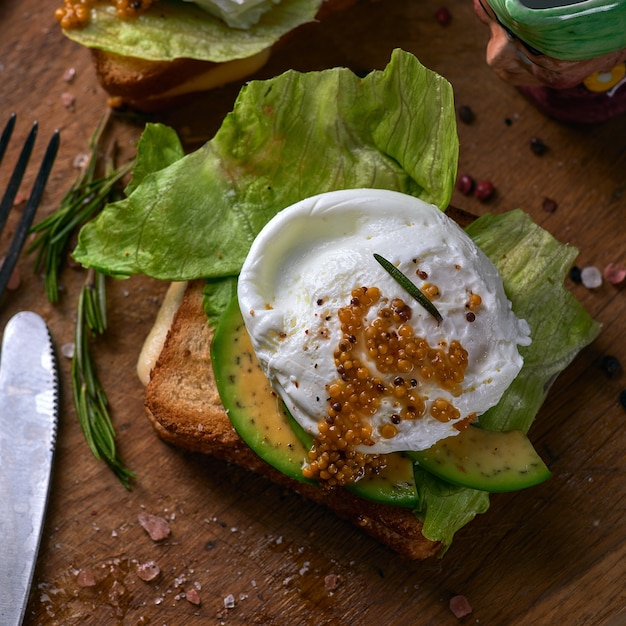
[342,157]
[151,54]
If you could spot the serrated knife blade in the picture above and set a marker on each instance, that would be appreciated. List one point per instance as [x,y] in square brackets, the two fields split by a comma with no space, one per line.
[28,423]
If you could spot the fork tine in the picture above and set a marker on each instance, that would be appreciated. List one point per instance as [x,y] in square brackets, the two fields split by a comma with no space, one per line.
[6,135]
[29,212]
[16,177]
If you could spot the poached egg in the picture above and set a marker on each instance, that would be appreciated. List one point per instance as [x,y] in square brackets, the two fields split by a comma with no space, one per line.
[305,267]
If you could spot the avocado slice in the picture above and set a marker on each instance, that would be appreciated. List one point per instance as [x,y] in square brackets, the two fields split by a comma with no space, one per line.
[486,460]
[263,422]
[394,484]
[476,458]
[253,408]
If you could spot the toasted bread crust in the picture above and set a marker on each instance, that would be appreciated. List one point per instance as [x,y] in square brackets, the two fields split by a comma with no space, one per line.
[151,86]
[183,405]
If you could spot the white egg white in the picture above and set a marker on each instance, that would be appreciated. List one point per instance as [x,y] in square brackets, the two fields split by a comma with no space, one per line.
[303,266]
[237,13]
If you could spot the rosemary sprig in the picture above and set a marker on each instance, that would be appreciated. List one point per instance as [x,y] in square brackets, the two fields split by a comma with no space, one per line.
[90,399]
[409,286]
[85,198]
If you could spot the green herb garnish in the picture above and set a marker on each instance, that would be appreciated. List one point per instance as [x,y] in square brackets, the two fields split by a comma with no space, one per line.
[409,287]
[83,201]
[86,197]
[90,399]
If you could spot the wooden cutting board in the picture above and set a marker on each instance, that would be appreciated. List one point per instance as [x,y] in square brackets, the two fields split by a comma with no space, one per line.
[253,553]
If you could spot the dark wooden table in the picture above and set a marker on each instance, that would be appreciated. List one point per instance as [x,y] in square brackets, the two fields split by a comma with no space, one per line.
[552,554]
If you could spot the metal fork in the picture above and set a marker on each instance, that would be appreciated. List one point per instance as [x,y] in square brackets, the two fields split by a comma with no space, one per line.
[26,220]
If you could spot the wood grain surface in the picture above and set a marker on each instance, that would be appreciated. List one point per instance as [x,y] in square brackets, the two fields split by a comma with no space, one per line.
[254,553]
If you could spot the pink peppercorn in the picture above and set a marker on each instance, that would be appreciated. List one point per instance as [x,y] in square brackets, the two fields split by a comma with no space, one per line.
[465,184]
[443,16]
[484,190]
[549,205]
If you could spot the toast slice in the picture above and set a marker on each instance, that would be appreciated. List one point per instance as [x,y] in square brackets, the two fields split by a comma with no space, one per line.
[184,407]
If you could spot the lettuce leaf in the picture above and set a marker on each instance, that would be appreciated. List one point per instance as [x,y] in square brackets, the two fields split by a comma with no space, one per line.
[172,29]
[158,147]
[533,266]
[287,138]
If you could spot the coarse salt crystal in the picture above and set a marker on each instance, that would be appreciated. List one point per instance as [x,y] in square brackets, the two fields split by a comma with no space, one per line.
[615,273]
[229,601]
[67,350]
[68,100]
[330,582]
[85,578]
[157,527]
[20,198]
[591,277]
[460,606]
[193,596]
[148,571]
[80,161]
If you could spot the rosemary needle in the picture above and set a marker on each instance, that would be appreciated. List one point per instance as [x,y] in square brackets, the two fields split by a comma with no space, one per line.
[409,286]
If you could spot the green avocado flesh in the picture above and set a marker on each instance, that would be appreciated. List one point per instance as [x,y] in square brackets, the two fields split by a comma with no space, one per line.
[262,421]
[476,458]
[253,408]
[486,460]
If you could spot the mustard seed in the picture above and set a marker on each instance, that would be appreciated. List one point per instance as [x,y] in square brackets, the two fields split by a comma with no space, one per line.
[391,350]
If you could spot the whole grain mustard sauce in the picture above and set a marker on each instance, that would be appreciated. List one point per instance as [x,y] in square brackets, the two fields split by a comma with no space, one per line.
[390,344]
[76,13]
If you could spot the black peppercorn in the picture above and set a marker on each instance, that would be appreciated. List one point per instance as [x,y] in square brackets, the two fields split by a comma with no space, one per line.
[538,147]
[611,366]
[466,115]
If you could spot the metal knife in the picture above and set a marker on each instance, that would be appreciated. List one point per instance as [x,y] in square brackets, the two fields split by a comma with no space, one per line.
[28,423]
